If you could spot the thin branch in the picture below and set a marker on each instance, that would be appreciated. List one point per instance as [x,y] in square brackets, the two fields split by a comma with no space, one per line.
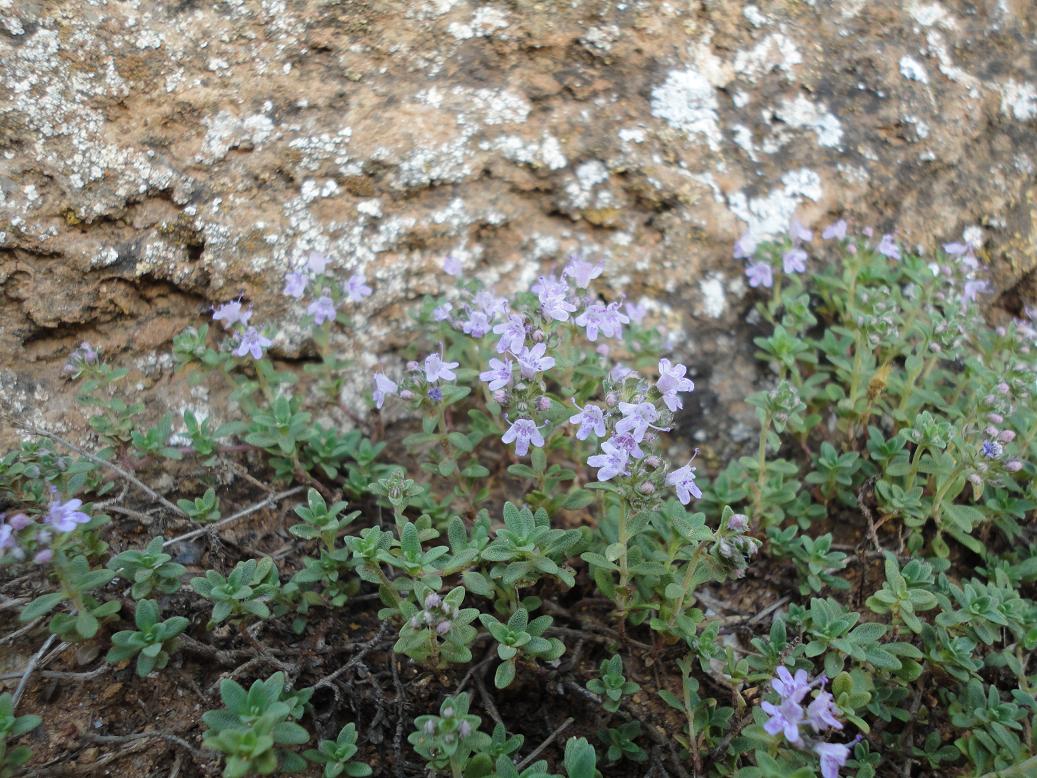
[60,675]
[550,739]
[29,670]
[110,739]
[121,472]
[267,502]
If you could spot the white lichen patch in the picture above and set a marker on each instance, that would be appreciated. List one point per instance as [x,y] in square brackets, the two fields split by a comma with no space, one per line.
[713,302]
[687,102]
[931,14]
[1019,100]
[543,153]
[225,131]
[774,52]
[803,114]
[769,215]
[913,70]
[483,23]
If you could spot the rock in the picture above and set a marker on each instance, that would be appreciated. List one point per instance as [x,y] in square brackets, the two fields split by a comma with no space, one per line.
[160,157]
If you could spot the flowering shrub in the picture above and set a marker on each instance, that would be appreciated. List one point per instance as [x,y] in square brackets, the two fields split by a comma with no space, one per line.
[531,508]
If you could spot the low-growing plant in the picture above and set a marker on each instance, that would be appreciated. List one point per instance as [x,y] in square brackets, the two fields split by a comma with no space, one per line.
[152,642]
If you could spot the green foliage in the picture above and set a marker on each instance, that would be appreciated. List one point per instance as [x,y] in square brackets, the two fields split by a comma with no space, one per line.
[148,571]
[152,642]
[252,727]
[611,684]
[337,755]
[11,726]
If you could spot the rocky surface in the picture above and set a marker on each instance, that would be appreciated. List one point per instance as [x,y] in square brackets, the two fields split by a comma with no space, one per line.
[157,156]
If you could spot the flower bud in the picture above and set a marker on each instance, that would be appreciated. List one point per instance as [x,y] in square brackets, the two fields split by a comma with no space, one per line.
[975,479]
[430,727]
[611,399]
[43,557]
[1013,466]
[1006,436]
[443,627]
[646,487]
[500,396]
[432,601]
[406,394]
[538,336]
[19,521]
[448,713]
[465,729]
[995,418]
[543,403]
[992,431]
[653,461]
[1002,388]
[739,522]
[413,366]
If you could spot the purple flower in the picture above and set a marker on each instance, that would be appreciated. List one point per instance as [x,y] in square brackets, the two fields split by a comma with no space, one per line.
[591,419]
[442,312]
[610,463]
[636,312]
[821,713]
[672,380]
[490,304]
[591,320]
[835,231]
[316,262]
[785,717]
[85,354]
[357,288]
[794,260]
[798,232]
[476,325]
[252,342]
[613,321]
[43,557]
[833,756]
[745,246]
[956,249]
[791,687]
[992,449]
[620,372]
[552,294]
[973,288]
[232,313]
[512,334]
[582,272]
[383,387]
[64,516]
[6,536]
[452,266]
[888,247]
[627,443]
[637,418]
[499,374]
[294,285]
[435,394]
[436,369]
[532,360]
[760,274]
[683,480]
[322,309]
[522,432]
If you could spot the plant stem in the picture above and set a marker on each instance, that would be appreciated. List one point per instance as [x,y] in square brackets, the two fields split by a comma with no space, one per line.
[761,465]
[689,574]
[624,570]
